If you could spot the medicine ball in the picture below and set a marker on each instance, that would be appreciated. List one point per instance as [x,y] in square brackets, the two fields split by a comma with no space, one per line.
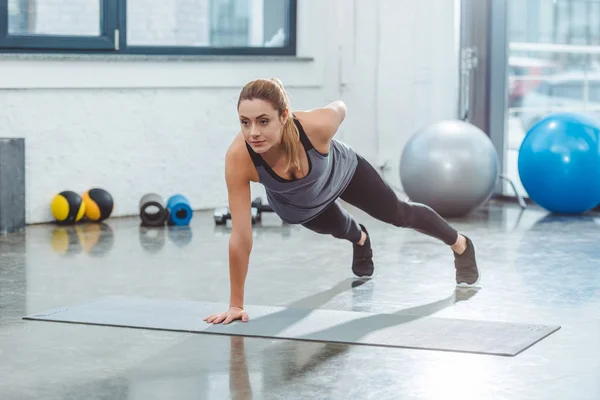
[68,207]
[98,204]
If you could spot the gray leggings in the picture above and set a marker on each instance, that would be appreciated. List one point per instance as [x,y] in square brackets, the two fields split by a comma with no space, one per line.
[370,193]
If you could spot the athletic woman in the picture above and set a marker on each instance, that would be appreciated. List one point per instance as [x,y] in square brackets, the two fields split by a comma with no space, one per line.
[304,171]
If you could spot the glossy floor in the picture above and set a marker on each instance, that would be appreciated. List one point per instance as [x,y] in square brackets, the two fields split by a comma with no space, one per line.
[537,269]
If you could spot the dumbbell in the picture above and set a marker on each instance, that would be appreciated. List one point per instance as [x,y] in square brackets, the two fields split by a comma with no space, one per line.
[260,207]
[222,214]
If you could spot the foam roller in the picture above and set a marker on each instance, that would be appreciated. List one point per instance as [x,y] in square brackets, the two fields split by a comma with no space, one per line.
[152,200]
[180,211]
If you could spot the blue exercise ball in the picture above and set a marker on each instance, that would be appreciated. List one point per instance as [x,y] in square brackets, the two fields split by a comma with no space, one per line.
[559,163]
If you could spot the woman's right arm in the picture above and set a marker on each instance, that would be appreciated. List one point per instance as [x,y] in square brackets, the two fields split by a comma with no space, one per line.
[240,241]
[237,177]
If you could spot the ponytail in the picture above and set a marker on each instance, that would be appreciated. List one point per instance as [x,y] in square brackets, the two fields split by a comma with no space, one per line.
[290,139]
[290,135]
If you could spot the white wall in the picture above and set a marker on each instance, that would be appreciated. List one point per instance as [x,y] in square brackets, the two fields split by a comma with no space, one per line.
[138,126]
[417,72]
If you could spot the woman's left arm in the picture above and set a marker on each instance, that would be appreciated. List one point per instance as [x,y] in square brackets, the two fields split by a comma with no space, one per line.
[323,123]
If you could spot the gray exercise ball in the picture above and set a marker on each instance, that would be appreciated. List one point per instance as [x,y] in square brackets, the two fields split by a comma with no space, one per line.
[451,166]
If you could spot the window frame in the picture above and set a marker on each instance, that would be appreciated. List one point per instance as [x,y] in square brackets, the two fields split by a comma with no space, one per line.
[61,43]
[113,38]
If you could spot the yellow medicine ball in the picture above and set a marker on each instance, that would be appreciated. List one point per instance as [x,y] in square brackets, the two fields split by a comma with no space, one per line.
[98,204]
[67,207]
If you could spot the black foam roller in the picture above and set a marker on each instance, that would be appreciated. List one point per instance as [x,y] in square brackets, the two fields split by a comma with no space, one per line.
[158,218]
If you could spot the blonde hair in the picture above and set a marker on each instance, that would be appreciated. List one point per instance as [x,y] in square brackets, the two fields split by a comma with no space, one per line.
[273,92]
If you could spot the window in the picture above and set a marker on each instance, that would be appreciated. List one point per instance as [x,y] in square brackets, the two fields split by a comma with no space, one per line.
[594,92]
[573,90]
[543,89]
[203,27]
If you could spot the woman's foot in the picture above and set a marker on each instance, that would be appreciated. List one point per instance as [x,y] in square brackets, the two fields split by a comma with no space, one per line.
[362,261]
[467,272]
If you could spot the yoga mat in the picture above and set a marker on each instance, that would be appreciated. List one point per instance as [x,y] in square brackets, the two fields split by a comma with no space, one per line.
[389,330]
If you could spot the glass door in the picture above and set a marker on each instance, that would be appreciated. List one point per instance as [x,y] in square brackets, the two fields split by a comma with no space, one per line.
[553,65]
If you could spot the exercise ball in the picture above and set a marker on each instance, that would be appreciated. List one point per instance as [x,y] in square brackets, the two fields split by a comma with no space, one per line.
[67,207]
[98,204]
[559,163]
[450,166]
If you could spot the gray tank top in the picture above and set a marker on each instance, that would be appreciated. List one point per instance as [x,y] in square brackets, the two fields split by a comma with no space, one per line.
[299,200]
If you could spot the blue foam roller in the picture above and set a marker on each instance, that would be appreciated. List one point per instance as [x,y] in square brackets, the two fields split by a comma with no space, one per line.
[180,210]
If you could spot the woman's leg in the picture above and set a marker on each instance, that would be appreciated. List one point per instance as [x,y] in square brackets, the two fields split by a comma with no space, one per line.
[370,193]
[337,222]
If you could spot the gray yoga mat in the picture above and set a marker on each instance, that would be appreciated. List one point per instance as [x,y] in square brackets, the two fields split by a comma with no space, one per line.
[390,330]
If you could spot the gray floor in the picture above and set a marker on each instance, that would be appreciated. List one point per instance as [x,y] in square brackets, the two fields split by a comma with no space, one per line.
[537,269]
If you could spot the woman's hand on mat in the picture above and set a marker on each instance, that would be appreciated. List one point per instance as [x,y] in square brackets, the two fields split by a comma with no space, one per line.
[231,315]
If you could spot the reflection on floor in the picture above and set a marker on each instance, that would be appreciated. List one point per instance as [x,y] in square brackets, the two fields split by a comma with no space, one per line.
[537,268]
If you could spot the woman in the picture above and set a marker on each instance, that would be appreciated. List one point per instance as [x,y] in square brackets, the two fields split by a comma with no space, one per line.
[304,171]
